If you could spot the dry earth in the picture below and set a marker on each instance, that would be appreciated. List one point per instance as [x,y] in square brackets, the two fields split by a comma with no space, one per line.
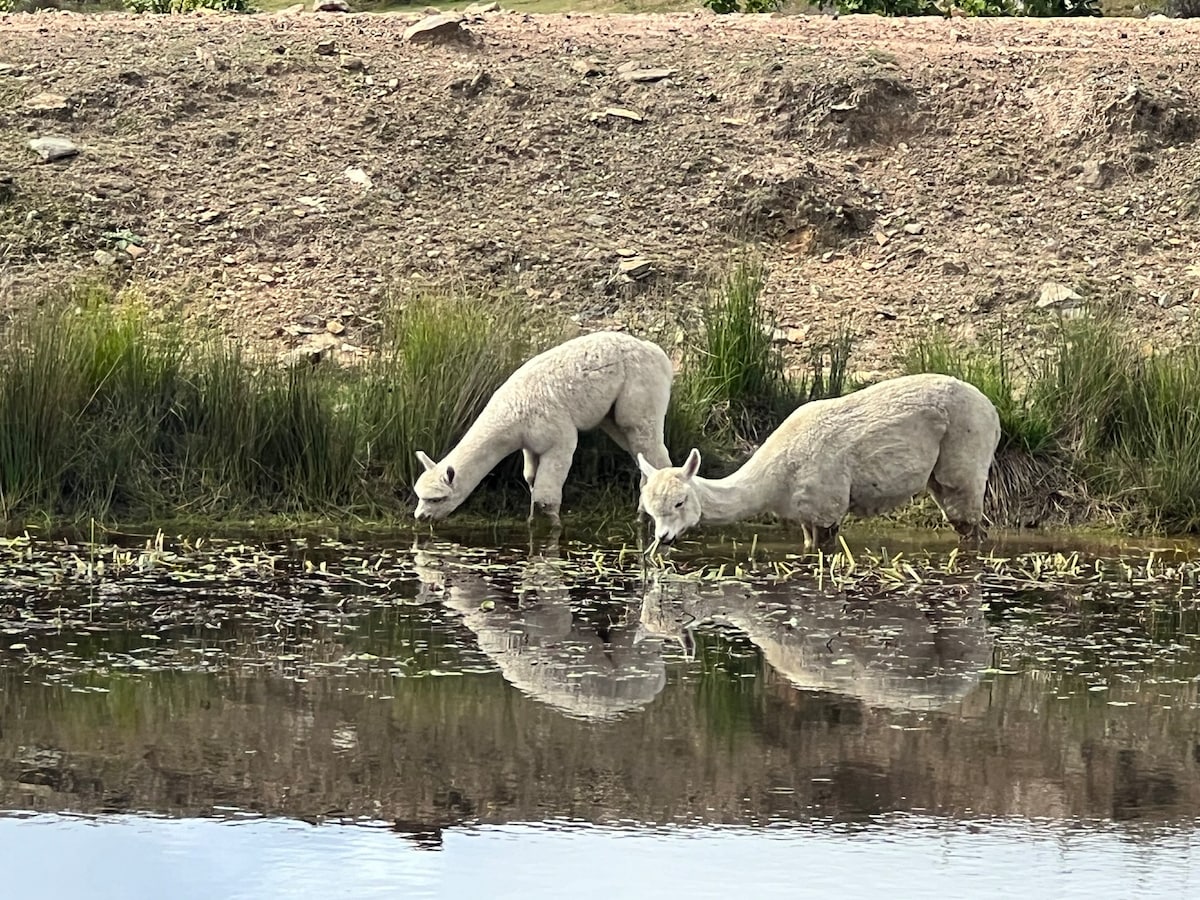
[281,172]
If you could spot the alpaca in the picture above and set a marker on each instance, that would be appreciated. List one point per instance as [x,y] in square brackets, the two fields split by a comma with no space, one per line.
[579,668]
[889,652]
[865,453]
[607,379]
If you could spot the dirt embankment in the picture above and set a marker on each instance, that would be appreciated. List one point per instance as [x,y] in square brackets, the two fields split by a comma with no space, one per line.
[279,172]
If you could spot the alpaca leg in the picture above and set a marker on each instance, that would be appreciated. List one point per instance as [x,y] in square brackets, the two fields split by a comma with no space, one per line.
[818,501]
[639,415]
[530,472]
[553,466]
[963,508]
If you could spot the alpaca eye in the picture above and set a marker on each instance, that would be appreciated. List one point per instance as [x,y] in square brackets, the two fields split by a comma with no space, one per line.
[680,503]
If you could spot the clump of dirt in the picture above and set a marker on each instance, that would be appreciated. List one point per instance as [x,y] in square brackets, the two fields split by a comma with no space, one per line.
[846,113]
[789,199]
[284,173]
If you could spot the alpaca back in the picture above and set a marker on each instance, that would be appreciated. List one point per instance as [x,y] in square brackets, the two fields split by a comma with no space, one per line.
[579,381]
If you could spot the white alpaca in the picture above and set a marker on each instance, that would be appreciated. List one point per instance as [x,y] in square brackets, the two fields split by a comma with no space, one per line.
[608,379]
[865,453]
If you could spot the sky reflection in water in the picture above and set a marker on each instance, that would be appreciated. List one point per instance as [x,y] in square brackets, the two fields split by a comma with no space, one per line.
[132,858]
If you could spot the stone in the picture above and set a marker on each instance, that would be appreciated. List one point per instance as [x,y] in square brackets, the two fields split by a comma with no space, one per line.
[326,48]
[645,76]
[914,228]
[52,149]
[333,326]
[1094,174]
[617,112]
[133,251]
[353,64]
[294,10]
[47,102]
[478,9]
[439,29]
[471,87]
[312,351]
[586,67]
[104,258]
[331,6]
[1054,295]
[357,176]
[635,267]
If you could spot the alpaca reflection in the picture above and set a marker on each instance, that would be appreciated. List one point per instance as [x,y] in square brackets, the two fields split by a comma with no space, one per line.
[585,670]
[914,652]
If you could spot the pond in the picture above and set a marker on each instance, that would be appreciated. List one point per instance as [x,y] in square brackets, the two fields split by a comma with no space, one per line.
[491,717]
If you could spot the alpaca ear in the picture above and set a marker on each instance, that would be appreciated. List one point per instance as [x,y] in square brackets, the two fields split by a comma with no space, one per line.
[692,466]
[449,477]
[423,459]
[644,464]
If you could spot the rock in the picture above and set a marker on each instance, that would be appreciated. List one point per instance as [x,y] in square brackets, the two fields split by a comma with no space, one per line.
[312,351]
[135,250]
[439,29]
[52,149]
[353,64]
[333,326]
[478,9]
[791,335]
[635,267]
[104,258]
[1094,174]
[1054,295]
[914,228]
[471,87]
[331,6]
[47,102]
[294,10]
[646,76]
[587,67]
[326,48]
[617,112]
[886,312]
[357,176]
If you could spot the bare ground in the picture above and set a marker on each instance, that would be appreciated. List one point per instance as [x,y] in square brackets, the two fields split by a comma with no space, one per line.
[894,174]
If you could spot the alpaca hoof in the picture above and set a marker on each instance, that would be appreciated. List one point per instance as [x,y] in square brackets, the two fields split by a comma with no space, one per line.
[970,533]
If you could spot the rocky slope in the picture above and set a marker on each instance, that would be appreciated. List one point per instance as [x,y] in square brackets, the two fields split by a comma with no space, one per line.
[273,174]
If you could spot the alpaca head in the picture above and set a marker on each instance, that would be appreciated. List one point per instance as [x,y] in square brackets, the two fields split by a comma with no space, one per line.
[669,497]
[437,492]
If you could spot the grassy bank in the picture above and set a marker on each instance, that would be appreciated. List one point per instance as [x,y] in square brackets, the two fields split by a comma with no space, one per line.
[113,413]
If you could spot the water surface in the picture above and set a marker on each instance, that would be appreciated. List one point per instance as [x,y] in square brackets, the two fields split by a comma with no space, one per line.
[451,720]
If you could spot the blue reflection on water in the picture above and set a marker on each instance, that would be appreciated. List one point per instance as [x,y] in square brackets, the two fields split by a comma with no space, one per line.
[130,857]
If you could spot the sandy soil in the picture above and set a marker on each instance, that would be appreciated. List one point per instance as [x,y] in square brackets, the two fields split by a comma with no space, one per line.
[283,172]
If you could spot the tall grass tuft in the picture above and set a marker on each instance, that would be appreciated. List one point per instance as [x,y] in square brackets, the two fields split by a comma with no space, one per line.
[443,357]
[1025,423]
[734,376]
[1125,426]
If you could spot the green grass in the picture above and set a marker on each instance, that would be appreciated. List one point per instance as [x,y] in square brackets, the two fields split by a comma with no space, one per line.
[1126,426]
[112,411]
[1025,425]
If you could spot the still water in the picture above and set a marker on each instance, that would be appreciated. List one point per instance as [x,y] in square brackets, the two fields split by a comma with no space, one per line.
[452,720]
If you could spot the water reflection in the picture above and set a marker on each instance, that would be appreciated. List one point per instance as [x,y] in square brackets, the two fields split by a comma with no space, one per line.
[586,693]
[594,669]
[135,858]
[913,652]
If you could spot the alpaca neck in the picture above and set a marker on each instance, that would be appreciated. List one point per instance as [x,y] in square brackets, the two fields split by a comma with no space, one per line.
[480,451]
[731,499]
